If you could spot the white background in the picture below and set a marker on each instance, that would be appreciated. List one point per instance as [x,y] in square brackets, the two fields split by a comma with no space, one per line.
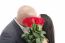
[54,8]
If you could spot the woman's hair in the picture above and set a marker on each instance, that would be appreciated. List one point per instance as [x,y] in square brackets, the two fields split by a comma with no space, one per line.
[48,27]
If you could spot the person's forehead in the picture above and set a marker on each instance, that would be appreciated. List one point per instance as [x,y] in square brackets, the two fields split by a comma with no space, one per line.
[25,8]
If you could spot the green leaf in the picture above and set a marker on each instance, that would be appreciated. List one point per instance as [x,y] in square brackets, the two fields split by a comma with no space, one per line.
[34,27]
[38,40]
[23,35]
[29,41]
[30,36]
[36,35]
[39,27]
[43,32]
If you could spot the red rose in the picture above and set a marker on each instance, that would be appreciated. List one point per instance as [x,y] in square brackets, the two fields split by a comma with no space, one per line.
[31,20]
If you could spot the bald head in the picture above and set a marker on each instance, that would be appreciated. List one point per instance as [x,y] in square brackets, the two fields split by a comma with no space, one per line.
[25,11]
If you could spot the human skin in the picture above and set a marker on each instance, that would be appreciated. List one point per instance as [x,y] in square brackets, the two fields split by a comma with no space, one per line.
[27,11]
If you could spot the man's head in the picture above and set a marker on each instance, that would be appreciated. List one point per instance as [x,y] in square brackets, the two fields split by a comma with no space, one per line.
[25,11]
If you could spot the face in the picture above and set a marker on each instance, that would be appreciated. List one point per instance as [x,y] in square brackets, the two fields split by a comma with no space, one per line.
[26,11]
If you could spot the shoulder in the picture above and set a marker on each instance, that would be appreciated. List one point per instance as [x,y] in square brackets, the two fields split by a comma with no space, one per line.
[10,29]
[9,33]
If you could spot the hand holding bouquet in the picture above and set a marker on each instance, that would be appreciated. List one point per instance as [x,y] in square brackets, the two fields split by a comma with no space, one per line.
[35,33]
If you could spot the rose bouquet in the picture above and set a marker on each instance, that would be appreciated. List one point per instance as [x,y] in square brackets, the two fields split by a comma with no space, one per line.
[35,33]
